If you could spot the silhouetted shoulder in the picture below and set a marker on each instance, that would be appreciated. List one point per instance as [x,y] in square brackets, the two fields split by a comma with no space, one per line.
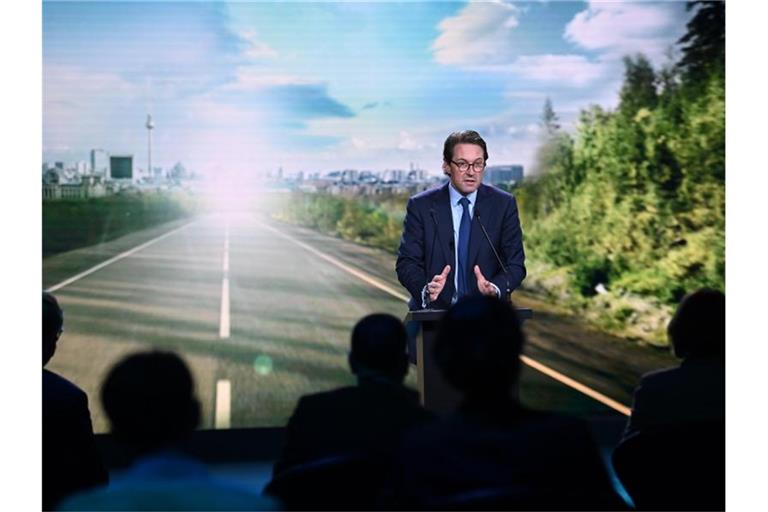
[374,397]
[519,424]
[659,377]
[60,392]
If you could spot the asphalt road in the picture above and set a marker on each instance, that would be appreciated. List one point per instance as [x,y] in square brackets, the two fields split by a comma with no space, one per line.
[262,313]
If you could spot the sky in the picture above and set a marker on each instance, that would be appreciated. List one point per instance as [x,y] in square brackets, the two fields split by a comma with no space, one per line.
[246,87]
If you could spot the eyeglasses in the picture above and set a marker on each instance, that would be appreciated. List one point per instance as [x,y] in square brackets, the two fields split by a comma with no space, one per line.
[464,166]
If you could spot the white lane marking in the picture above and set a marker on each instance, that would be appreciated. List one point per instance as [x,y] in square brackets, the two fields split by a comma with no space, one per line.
[223,404]
[578,386]
[546,370]
[350,270]
[224,316]
[115,258]
[224,313]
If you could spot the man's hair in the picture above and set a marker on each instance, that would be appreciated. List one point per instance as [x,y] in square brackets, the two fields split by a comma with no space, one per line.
[698,326]
[149,399]
[465,137]
[379,346]
[53,320]
[478,346]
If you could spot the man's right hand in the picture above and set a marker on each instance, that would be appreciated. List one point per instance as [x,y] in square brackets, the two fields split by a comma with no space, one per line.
[435,286]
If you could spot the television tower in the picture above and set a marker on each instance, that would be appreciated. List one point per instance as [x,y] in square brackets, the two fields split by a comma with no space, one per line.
[150,125]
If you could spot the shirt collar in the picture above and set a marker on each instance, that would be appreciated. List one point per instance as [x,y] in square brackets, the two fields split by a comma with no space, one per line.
[456,195]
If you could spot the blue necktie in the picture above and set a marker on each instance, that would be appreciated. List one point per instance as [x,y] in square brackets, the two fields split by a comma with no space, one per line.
[463,249]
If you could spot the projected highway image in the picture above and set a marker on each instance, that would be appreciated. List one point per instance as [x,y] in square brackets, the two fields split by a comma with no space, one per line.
[229,181]
[262,310]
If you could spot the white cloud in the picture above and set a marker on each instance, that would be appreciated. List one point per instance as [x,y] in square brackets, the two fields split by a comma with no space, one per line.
[572,70]
[254,78]
[525,95]
[79,106]
[258,50]
[619,28]
[478,38]
[478,34]
[409,142]
[79,86]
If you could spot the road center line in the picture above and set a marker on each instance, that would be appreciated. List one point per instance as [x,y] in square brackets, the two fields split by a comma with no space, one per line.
[223,413]
[115,258]
[224,313]
[546,370]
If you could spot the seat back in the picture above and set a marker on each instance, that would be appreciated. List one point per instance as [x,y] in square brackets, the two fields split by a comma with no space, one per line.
[341,482]
[680,468]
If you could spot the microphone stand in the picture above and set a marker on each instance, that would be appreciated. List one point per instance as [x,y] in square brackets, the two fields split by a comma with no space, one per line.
[508,293]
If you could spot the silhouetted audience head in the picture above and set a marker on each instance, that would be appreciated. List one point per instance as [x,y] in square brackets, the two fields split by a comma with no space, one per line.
[149,399]
[379,348]
[698,327]
[478,345]
[53,322]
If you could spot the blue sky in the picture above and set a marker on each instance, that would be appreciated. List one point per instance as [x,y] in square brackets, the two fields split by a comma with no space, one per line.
[246,87]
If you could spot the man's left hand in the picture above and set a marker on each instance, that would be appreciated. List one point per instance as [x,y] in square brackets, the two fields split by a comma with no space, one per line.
[484,285]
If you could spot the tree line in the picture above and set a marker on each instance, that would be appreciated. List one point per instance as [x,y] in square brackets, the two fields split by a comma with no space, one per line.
[633,201]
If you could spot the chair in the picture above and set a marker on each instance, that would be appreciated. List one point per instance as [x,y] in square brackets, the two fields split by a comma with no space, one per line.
[680,468]
[340,482]
[523,498]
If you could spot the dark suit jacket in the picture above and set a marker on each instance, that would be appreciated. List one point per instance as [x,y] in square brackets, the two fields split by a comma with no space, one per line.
[672,455]
[543,460]
[694,392]
[427,246]
[71,461]
[368,418]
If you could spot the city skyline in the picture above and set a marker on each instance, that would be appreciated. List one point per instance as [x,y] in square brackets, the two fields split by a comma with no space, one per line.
[241,87]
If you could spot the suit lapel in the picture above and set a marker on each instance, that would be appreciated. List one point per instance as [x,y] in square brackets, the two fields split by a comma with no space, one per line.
[442,207]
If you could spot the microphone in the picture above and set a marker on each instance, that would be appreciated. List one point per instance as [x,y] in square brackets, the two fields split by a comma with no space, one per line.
[508,293]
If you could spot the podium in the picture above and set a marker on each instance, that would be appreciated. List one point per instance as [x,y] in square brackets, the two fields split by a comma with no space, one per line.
[434,392]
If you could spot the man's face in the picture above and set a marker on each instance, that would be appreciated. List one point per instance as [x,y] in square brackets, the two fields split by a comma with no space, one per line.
[467,181]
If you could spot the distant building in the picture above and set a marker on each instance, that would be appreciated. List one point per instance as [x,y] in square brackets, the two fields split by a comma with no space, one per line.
[503,174]
[349,175]
[121,167]
[99,162]
[417,174]
[89,186]
[51,176]
[393,175]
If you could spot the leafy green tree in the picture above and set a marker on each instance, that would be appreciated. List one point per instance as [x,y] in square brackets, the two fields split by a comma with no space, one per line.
[634,200]
[639,88]
[549,119]
[704,42]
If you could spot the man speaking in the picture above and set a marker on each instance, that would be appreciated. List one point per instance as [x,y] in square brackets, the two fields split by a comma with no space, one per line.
[463,238]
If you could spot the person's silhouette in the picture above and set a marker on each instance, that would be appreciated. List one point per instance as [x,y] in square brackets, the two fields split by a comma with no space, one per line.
[494,452]
[150,402]
[71,461]
[363,418]
[673,451]
[362,422]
